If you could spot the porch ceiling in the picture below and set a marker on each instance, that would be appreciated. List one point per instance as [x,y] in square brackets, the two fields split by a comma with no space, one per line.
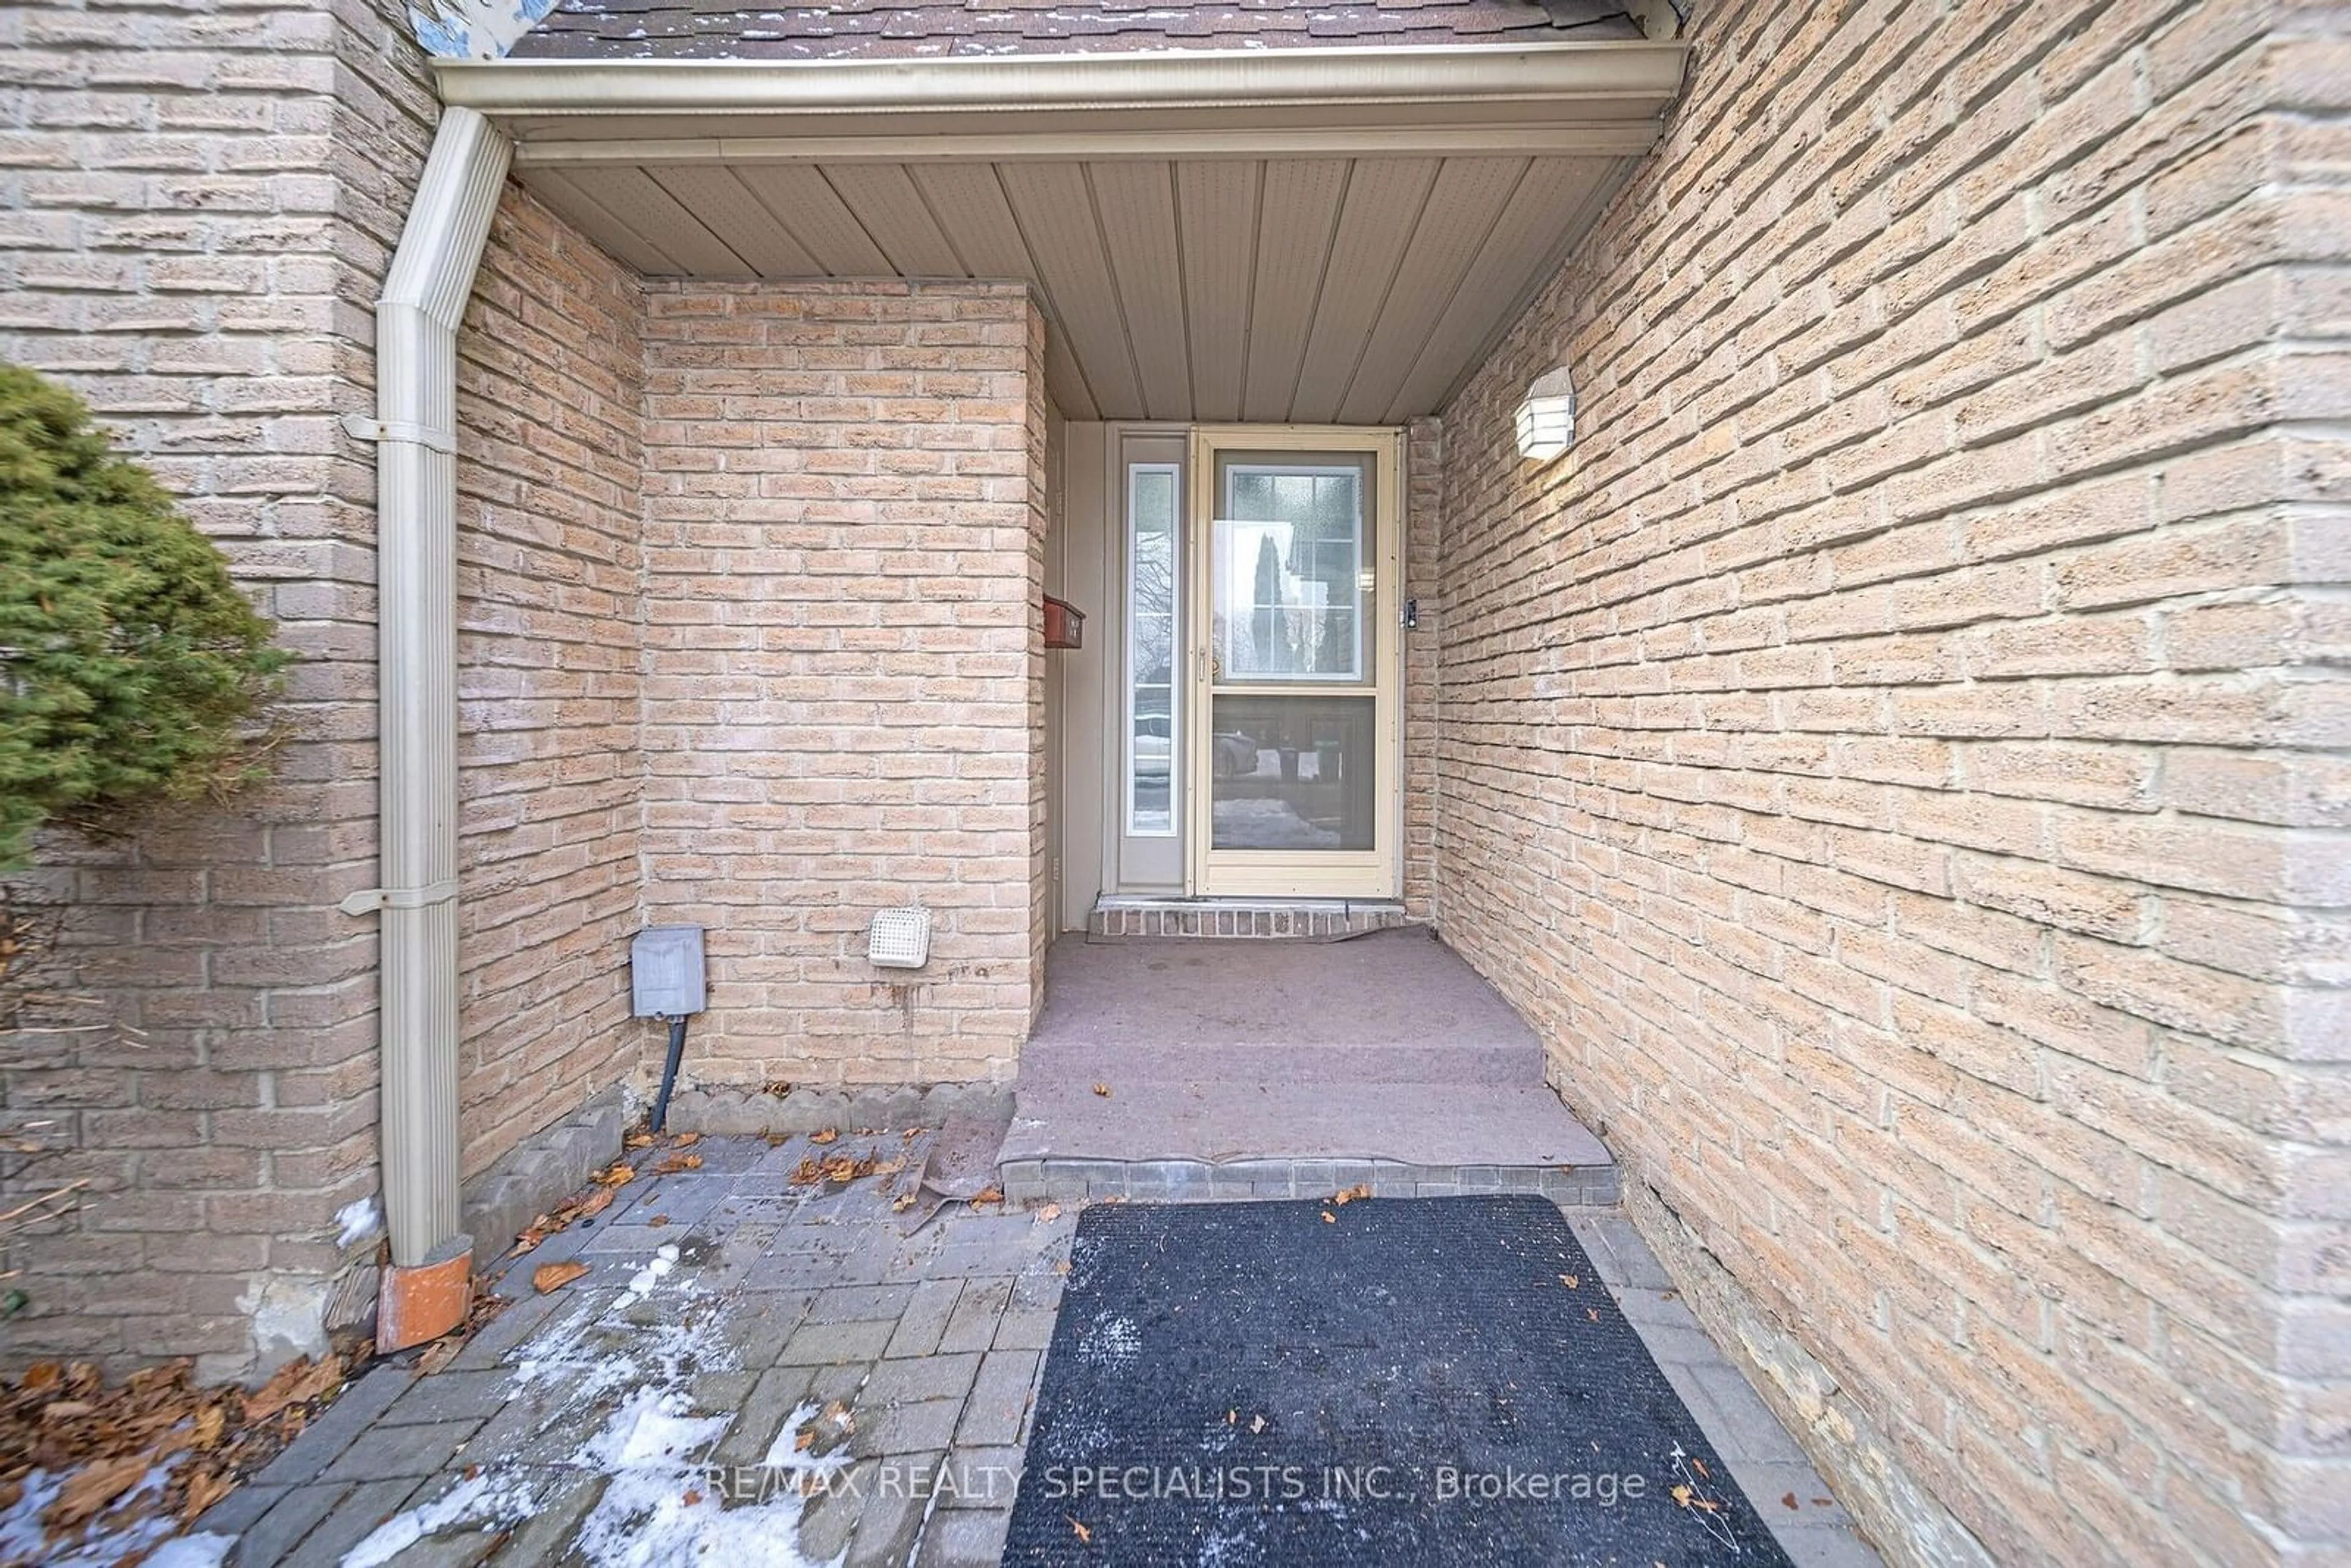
[1259,240]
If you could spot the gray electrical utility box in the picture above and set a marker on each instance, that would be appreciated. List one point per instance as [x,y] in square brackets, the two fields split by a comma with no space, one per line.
[665,977]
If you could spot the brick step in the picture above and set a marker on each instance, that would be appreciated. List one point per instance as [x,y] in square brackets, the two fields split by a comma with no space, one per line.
[1178,1142]
[1126,915]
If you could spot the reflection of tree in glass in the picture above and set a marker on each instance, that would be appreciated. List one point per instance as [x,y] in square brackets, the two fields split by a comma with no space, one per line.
[1155,604]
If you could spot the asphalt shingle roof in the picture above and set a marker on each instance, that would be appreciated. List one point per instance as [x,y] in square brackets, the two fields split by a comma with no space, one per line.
[922,30]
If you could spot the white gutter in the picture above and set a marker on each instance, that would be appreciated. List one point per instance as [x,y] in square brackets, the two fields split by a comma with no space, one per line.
[1593,81]
[424,296]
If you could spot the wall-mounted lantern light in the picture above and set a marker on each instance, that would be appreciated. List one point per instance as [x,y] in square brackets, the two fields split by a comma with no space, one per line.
[1547,418]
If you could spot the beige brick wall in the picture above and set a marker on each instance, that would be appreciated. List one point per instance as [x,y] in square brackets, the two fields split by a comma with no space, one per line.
[188,235]
[842,682]
[1899,757]
[1422,582]
[551,574]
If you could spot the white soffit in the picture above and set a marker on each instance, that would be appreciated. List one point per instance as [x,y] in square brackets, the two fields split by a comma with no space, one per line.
[1311,236]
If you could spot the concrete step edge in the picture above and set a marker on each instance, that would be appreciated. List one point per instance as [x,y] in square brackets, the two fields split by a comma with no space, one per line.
[1499,1064]
[1077,1180]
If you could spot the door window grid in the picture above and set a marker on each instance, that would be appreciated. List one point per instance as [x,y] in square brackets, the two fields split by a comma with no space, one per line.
[1292,602]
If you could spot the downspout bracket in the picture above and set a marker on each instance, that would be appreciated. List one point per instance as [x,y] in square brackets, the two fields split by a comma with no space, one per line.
[362,428]
[367,901]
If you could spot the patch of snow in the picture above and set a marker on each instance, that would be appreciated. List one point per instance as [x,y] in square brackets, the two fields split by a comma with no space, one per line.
[477,1502]
[357,1220]
[204,1550]
[784,1453]
[661,1505]
[652,1426]
[651,1274]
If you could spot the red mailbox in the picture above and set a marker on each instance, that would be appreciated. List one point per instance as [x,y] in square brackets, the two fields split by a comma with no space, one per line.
[1065,624]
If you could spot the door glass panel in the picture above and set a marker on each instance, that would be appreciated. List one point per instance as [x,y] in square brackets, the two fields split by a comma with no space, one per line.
[1293,772]
[1152,744]
[1291,569]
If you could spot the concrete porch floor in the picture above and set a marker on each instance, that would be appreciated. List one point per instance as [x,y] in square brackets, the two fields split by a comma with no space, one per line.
[1195,1068]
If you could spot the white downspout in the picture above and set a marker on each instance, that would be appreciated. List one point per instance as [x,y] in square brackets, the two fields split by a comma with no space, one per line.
[425,294]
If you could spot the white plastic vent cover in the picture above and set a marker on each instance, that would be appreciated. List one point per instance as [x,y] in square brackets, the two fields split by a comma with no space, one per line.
[899,939]
[665,972]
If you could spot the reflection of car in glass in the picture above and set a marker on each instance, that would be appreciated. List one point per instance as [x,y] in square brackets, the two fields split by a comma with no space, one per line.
[1235,755]
[1150,746]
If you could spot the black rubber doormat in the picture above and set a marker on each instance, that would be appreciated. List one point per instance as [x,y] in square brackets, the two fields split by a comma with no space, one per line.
[1317,1385]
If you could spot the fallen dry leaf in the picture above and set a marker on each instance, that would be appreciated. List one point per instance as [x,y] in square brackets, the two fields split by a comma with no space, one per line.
[843,1168]
[1789,1501]
[1329,1218]
[440,1353]
[826,1136]
[988,1194]
[687,1140]
[584,1206]
[638,1141]
[88,1490]
[1102,1090]
[1049,1213]
[549,1277]
[1682,1495]
[657,1219]
[902,1202]
[615,1175]
[1361,1190]
[1591,1312]
[1085,1536]
[1570,1281]
[295,1383]
[676,1163]
[1699,1465]
[206,1488]
[211,1421]
[691,1497]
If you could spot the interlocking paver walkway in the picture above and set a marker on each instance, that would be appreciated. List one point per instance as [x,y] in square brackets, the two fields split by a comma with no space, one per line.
[729,1322]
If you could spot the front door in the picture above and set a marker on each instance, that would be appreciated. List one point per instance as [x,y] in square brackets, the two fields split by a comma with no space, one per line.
[1295,661]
